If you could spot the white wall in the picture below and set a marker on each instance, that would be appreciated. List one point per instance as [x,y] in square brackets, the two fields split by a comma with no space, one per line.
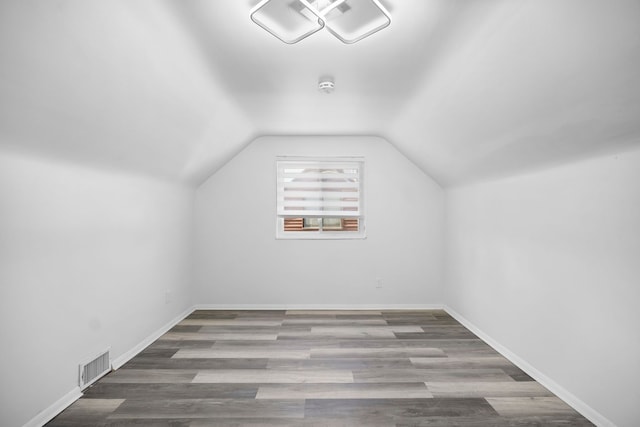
[548,265]
[85,259]
[239,261]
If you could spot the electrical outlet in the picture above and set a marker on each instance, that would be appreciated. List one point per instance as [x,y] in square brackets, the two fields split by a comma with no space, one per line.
[167,296]
[378,283]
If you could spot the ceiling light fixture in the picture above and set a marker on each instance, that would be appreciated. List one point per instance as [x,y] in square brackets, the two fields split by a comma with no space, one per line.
[293,20]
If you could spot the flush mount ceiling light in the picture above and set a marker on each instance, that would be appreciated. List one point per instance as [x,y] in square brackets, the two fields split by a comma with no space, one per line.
[293,20]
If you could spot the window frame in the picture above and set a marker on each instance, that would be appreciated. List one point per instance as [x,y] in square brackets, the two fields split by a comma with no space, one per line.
[323,234]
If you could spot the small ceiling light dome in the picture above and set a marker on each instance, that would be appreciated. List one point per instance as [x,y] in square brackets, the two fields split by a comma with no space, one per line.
[326,85]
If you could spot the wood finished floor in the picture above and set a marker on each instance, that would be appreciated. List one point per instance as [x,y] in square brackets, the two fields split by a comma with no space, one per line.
[319,368]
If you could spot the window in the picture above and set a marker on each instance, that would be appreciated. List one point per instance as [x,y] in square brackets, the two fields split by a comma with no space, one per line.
[320,198]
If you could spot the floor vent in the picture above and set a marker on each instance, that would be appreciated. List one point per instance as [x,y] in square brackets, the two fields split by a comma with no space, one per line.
[94,369]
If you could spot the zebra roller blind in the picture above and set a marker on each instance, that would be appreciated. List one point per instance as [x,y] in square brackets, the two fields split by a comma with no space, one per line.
[319,188]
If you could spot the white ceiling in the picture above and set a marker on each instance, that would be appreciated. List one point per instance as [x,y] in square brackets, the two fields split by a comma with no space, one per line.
[467,89]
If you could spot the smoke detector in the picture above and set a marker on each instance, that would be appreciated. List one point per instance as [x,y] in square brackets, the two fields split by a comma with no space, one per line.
[326,85]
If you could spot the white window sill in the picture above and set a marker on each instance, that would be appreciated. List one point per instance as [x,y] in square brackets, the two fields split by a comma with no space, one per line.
[325,235]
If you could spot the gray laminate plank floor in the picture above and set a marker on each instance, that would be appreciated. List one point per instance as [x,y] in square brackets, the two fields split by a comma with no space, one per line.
[319,368]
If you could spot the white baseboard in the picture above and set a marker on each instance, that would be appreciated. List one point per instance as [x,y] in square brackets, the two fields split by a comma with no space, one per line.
[64,402]
[586,410]
[121,360]
[319,307]
[60,405]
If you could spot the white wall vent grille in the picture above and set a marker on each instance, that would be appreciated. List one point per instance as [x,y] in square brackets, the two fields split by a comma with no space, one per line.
[94,369]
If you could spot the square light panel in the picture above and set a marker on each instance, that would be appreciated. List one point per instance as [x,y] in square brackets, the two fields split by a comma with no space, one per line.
[359,19]
[288,20]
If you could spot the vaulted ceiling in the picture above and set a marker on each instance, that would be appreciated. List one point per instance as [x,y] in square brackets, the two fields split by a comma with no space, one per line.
[467,89]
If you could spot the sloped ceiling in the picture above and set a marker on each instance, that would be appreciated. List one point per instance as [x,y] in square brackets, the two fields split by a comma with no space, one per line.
[467,89]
